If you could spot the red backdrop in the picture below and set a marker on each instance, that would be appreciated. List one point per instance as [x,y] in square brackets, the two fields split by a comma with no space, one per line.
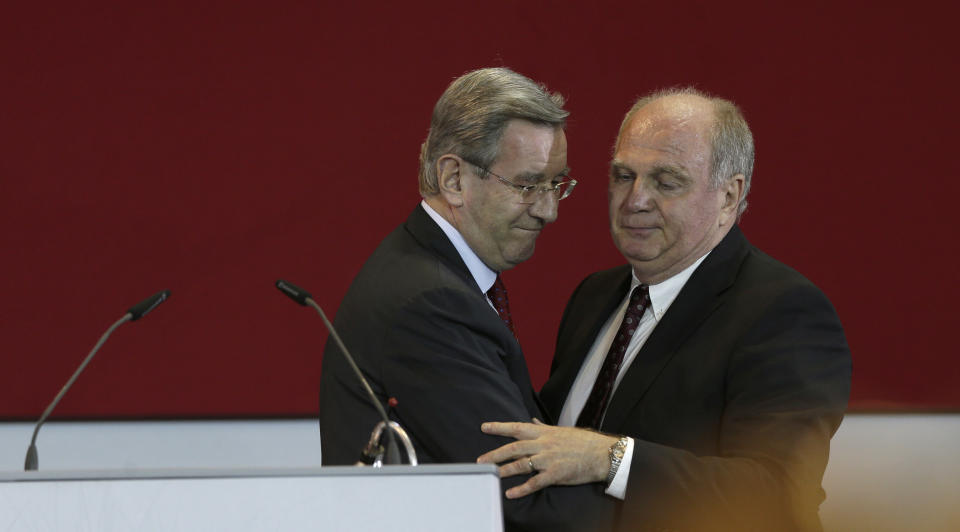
[211,148]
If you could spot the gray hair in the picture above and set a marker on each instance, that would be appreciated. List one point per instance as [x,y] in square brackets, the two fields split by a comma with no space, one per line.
[730,138]
[471,115]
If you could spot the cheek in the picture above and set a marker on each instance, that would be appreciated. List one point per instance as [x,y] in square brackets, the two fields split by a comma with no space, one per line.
[691,216]
[499,216]
[615,198]
[483,209]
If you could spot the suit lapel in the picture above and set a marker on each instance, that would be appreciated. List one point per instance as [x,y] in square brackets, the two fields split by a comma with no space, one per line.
[698,299]
[431,237]
[602,294]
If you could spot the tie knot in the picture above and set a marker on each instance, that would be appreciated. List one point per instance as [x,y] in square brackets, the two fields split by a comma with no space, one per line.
[498,296]
[640,291]
[639,301]
[498,291]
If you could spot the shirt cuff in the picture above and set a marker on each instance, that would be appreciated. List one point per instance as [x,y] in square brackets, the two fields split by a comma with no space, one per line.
[618,488]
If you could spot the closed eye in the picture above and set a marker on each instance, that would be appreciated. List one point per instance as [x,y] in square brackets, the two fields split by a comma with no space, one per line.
[669,178]
[668,185]
[620,174]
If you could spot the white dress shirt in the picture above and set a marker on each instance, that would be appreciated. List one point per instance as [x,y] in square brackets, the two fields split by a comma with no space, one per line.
[661,297]
[482,274]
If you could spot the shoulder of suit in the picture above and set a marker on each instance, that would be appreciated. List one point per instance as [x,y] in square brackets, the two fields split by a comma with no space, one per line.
[766,278]
[759,264]
[610,276]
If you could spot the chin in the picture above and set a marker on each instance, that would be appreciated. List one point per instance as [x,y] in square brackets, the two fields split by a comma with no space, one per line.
[517,258]
[639,253]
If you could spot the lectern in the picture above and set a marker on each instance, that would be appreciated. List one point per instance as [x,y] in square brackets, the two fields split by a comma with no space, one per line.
[460,497]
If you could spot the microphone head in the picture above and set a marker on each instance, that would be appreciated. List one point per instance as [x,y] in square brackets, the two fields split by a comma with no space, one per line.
[142,308]
[293,291]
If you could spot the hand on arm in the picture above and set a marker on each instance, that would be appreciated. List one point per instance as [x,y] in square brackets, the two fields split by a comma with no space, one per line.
[561,455]
[449,379]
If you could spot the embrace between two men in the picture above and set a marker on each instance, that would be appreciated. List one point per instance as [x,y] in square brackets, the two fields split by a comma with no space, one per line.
[696,387]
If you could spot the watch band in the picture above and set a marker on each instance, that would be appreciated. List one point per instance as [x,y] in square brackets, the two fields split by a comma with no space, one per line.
[616,457]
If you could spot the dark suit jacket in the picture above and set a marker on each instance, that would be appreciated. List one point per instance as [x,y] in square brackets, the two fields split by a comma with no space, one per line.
[733,398]
[423,332]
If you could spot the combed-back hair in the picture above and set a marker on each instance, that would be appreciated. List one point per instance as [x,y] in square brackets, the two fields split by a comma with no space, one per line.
[471,115]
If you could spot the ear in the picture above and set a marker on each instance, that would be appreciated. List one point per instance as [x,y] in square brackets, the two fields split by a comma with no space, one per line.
[732,192]
[449,172]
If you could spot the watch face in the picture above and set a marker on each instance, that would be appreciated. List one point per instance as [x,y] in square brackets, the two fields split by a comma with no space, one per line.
[618,450]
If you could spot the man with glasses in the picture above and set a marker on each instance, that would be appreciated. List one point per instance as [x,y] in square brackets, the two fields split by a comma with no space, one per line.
[704,378]
[428,318]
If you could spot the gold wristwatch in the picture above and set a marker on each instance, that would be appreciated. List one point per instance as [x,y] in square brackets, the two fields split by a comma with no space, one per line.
[616,456]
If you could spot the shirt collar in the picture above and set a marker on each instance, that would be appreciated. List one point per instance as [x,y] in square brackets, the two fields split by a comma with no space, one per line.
[663,293]
[482,274]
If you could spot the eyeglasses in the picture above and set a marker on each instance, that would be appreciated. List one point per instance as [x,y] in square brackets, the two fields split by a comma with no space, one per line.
[532,193]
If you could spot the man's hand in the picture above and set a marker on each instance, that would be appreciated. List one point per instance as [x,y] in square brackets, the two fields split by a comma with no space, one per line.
[562,455]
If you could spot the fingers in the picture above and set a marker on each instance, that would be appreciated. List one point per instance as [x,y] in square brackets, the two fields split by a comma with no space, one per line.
[524,466]
[536,483]
[517,467]
[520,431]
[509,451]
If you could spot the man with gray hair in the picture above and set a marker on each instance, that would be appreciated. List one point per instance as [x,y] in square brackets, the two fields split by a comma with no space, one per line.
[428,318]
[701,382]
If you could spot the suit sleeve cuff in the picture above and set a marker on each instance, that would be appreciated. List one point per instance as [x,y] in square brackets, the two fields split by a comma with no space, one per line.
[618,488]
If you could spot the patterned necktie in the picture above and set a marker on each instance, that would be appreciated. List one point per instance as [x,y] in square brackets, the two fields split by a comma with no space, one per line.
[498,295]
[592,412]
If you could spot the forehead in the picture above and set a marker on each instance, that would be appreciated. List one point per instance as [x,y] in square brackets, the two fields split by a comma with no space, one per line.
[524,142]
[672,129]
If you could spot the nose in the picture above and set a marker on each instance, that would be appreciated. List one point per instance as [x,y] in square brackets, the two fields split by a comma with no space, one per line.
[638,198]
[545,207]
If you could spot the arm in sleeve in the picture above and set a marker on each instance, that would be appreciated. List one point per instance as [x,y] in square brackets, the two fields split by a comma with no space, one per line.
[449,366]
[786,388]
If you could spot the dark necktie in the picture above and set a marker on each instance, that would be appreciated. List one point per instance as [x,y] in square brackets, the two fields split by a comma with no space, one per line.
[498,295]
[593,410]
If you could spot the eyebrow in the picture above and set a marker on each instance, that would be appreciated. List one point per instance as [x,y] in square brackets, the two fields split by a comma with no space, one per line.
[536,177]
[671,170]
[616,165]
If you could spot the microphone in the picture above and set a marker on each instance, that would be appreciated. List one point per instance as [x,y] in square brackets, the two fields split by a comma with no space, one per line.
[142,308]
[372,452]
[135,313]
[296,293]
